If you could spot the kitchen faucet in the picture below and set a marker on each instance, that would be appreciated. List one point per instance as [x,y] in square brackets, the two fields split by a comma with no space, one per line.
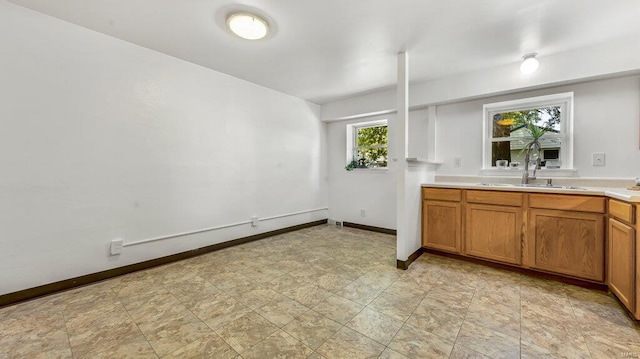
[527,157]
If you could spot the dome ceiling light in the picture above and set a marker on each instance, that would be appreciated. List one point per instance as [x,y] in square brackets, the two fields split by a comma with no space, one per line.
[247,26]
[529,63]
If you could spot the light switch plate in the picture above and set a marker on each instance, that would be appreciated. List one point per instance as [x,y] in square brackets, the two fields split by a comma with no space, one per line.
[457,162]
[597,159]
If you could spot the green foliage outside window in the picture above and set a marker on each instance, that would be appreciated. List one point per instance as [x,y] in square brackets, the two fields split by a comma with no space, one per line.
[371,147]
[535,122]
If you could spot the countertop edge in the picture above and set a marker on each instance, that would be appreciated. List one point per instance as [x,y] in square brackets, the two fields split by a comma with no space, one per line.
[617,193]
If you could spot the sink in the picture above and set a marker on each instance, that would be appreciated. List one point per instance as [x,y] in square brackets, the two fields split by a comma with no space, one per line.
[530,185]
[547,186]
[496,184]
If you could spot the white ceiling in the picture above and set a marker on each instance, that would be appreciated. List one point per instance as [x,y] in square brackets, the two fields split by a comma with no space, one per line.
[324,50]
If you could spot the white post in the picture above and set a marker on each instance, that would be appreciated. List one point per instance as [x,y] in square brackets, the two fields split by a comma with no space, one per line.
[401,146]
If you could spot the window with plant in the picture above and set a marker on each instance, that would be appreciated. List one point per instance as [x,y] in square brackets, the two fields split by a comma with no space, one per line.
[369,146]
[538,127]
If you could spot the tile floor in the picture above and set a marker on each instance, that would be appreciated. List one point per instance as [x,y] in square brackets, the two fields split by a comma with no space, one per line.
[321,292]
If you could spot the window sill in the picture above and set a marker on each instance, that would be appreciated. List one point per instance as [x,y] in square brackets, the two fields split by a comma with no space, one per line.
[422,161]
[385,169]
[555,172]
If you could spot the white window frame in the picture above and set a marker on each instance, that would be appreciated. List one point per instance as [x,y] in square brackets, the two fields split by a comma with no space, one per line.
[564,100]
[352,140]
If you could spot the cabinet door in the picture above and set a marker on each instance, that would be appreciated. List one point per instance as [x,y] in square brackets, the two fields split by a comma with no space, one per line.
[621,264]
[441,225]
[570,243]
[494,232]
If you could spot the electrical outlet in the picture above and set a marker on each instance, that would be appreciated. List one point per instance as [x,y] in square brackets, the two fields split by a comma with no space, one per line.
[254,221]
[457,162]
[362,213]
[597,159]
[116,246]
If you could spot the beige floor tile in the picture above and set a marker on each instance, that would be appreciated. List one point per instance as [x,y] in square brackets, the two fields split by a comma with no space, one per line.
[348,343]
[557,336]
[331,282]
[338,309]
[347,271]
[87,298]
[246,331]
[106,336]
[608,347]
[218,311]
[359,293]
[278,345]
[258,297]
[489,313]
[282,311]
[209,346]
[133,284]
[391,354]
[285,282]
[497,311]
[312,329]
[416,343]
[139,348]
[399,308]
[437,322]
[379,280]
[488,341]
[228,280]
[173,332]
[569,351]
[192,286]
[52,343]
[151,308]
[315,355]
[79,322]
[503,320]
[450,298]
[375,325]
[307,294]
[460,352]
[406,286]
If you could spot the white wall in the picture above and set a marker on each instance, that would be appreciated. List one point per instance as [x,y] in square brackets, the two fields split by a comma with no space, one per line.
[618,56]
[606,119]
[352,191]
[102,139]
[373,190]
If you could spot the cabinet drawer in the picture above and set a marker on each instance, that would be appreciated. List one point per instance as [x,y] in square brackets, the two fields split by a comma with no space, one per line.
[567,202]
[494,197]
[442,194]
[621,210]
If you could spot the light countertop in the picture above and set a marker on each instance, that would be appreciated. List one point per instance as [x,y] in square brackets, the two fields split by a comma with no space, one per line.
[612,192]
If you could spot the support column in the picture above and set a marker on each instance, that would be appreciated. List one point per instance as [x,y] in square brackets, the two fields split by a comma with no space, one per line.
[401,146]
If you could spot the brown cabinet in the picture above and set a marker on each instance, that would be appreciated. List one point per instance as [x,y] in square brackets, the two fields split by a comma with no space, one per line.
[621,262]
[623,266]
[557,233]
[566,242]
[493,226]
[442,220]
[565,234]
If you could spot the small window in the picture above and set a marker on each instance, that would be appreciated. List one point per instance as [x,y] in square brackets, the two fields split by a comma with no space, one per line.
[367,144]
[510,127]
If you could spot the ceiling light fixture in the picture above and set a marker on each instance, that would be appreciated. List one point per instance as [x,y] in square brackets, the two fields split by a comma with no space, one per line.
[529,64]
[247,26]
